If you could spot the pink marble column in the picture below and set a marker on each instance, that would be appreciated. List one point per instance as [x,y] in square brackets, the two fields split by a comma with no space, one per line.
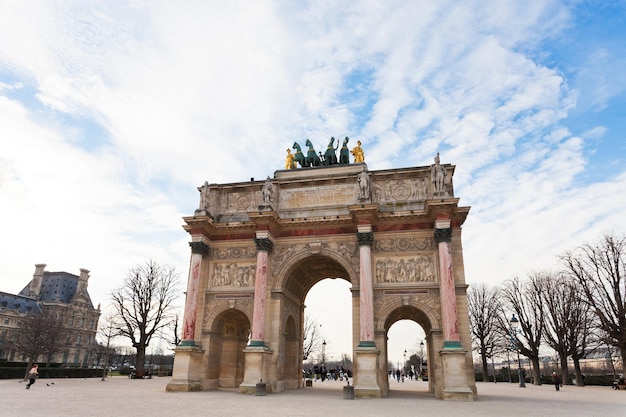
[198,250]
[366,290]
[443,236]
[264,246]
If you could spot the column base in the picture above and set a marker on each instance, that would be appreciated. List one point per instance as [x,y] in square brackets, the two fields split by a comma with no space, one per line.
[257,369]
[455,376]
[366,372]
[186,372]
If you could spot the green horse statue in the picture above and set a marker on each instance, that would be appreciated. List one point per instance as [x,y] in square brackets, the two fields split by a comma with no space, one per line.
[344,153]
[330,157]
[299,156]
[311,157]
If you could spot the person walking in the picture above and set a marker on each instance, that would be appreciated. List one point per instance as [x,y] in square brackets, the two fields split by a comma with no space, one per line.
[556,380]
[32,375]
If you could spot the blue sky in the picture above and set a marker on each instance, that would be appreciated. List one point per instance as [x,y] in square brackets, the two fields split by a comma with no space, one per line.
[112,113]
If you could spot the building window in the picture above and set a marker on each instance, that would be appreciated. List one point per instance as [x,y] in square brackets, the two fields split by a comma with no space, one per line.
[82,323]
[6,321]
[71,321]
[78,339]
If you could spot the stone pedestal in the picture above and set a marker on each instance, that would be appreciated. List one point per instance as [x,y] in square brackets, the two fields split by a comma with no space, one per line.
[348,392]
[258,363]
[186,372]
[366,375]
[455,375]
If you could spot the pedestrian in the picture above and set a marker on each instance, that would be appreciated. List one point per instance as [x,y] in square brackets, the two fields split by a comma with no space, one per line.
[556,380]
[32,375]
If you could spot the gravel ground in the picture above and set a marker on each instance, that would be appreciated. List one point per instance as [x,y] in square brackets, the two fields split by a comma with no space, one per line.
[123,397]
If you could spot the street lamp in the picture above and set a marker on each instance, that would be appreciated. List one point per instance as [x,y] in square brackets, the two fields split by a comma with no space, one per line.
[520,371]
[404,364]
[421,364]
[324,353]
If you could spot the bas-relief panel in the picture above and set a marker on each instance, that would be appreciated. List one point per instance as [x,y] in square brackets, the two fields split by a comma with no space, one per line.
[236,202]
[406,269]
[233,275]
[410,189]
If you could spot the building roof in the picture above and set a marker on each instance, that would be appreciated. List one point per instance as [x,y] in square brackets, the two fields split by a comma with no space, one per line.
[58,287]
[19,303]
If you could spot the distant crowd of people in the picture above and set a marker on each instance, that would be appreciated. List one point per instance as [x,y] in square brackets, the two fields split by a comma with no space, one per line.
[320,372]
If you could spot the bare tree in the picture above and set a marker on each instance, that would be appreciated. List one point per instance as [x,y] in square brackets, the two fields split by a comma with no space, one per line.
[524,299]
[484,307]
[312,337]
[599,269]
[107,333]
[558,296]
[145,305]
[41,334]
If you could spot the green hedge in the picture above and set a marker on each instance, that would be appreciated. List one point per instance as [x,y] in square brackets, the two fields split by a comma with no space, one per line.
[11,372]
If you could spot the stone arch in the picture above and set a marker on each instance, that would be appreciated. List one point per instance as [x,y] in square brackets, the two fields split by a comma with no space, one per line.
[226,340]
[397,311]
[393,306]
[310,268]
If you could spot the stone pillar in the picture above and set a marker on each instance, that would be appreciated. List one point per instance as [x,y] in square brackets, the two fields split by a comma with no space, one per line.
[257,354]
[188,359]
[455,376]
[198,250]
[264,245]
[366,382]
[443,236]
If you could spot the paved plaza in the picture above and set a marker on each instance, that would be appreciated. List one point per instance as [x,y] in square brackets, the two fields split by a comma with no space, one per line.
[123,397]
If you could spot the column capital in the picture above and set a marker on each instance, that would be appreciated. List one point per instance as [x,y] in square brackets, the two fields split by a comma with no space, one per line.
[264,244]
[365,238]
[199,247]
[443,235]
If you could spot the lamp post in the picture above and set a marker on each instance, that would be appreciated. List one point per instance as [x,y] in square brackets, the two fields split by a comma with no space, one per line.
[520,371]
[404,363]
[421,357]
[324,353]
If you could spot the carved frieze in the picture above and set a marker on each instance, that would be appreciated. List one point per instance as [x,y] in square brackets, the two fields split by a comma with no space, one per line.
[414,269]
[233,275]
[233,252]
[235,202]
[404,245]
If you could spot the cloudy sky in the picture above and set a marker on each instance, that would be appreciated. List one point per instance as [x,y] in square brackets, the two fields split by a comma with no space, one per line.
[113,112]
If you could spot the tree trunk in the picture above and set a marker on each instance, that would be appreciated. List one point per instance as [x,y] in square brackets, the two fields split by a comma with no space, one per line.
[623,352]
[579,375]
[536,371]
[565,379]
[141,360]
[485,367]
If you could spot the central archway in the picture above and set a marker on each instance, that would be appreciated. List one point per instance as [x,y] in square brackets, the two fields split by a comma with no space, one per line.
[291,288]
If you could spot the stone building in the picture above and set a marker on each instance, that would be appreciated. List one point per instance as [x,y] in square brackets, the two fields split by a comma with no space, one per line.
[258,247]
[62,293]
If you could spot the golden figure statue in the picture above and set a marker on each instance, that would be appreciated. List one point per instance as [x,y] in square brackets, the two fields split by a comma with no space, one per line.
[357,151]
[290,162]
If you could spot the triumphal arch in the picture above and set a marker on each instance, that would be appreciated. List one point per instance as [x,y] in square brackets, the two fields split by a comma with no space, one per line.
[257,248]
